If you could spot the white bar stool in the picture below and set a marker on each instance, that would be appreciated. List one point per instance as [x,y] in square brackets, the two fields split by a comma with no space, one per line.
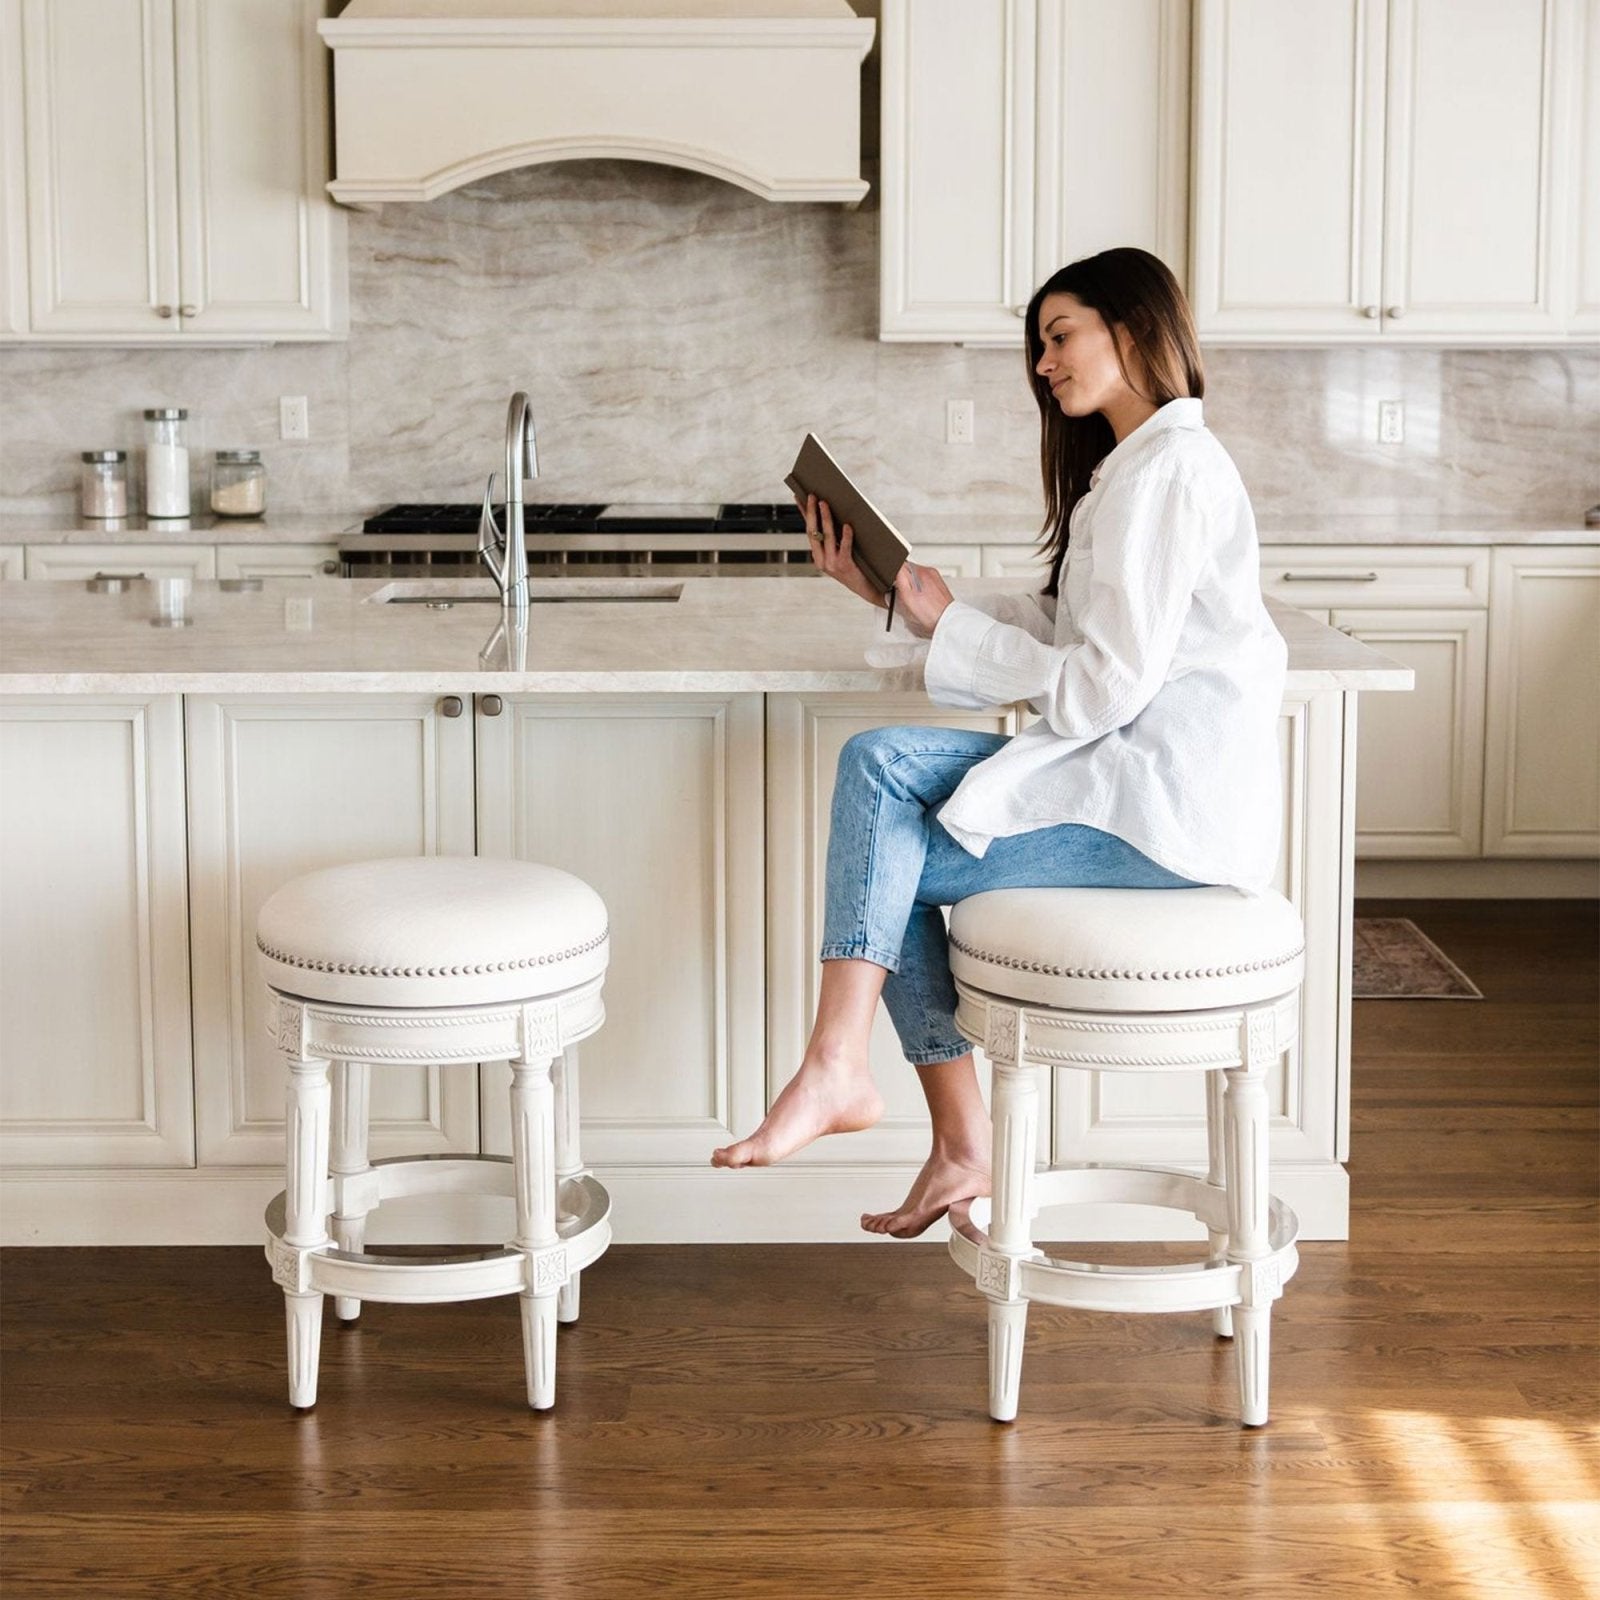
[1130,980]
[445,959]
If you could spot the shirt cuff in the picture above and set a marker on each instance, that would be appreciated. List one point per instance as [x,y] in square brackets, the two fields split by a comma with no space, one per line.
[958,636]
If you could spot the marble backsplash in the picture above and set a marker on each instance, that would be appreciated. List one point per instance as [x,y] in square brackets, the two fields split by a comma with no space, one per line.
[677,337]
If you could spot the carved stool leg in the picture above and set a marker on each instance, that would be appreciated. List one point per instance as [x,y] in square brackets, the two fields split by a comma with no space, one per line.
[306,1223]
[1248,1178]
[533,1154]
[1216,1175]
[1015,1113]
[569,1163]
[351,1107]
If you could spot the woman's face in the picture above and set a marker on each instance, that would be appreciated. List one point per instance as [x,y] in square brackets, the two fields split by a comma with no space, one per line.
[1080,360]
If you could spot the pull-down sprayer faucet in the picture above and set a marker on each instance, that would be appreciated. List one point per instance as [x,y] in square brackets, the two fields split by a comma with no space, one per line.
[505,554]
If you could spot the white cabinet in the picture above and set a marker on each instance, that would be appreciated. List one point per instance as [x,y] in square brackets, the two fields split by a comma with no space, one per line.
[164,164]
[656,802]
[94,945]
[804,736]
[1581,136]
[953,560]
[1420,755]
[1389,170]
[1018,135]
[1542,776]
[126,560]
[277,560]
[284,784]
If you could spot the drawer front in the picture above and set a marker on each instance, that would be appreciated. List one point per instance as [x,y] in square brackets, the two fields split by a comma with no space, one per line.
[1376,575]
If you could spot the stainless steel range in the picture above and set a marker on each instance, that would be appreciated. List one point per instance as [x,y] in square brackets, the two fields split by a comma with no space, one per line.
[440,540]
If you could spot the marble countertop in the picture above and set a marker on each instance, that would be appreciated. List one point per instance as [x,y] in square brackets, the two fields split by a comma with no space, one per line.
[721,635]
[926,528]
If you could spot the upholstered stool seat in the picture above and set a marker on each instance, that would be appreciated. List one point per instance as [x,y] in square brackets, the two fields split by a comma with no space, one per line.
[1130,980]
[443,960]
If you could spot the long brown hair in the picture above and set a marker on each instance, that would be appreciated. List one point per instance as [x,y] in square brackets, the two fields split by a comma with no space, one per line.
[1133,288]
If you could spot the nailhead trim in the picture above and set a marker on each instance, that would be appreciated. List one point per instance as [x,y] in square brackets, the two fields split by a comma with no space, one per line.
[354,969]
[1043,967]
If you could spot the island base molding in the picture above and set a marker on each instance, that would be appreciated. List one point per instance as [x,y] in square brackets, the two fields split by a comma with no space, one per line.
[791,1205]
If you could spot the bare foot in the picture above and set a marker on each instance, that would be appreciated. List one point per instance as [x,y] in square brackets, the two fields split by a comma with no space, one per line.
[943,1182]
[822,1097]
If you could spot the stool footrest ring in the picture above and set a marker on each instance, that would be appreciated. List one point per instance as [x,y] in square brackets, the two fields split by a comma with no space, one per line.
[584,1231]
[1093,1286]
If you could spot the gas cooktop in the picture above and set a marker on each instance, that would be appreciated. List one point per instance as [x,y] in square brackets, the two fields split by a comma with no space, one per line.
[543,517]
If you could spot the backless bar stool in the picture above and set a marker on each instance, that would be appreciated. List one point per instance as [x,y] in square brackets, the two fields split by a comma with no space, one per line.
[449,960]
[1130,980]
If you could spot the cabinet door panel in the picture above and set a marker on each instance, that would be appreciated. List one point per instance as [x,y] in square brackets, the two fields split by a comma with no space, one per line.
[1543,764]
[804,736]
[1468,245]
[1419,772]
[1288,127]
[283,785]
[101,159]
[94,981]
[1582,187]
[656,803]
[277,560]
[957,168]
[255,230]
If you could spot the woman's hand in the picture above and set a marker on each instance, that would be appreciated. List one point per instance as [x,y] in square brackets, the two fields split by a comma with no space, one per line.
[922,595]
[831,552]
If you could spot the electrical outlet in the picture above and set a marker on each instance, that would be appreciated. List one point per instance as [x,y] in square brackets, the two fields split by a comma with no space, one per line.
[294,418]
[958,422]
[1391,422]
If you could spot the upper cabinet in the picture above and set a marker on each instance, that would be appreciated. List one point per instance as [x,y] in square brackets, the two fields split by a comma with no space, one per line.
[1018,135]
[1394,171]
[163,166]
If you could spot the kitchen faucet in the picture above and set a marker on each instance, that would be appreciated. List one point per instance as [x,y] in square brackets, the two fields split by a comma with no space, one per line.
[510,571]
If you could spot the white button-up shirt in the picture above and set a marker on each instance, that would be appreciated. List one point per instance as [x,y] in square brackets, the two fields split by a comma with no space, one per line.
[1158,680]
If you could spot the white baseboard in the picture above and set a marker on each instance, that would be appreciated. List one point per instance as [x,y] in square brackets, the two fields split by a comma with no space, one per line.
[1477,880]
[777,1205]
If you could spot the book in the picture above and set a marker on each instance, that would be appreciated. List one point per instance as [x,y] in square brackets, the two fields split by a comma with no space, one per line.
[877,546]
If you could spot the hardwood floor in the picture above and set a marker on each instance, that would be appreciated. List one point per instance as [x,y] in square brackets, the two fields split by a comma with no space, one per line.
[809,1421]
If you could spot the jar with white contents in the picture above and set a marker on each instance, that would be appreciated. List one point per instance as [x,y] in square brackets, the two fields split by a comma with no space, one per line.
[238,484]
[166,462]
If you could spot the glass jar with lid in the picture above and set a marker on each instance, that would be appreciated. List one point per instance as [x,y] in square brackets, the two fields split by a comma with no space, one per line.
[238,484]
[166,462]
[103,484]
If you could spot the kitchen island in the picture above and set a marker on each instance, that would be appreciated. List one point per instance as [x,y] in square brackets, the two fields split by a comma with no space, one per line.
[672,742]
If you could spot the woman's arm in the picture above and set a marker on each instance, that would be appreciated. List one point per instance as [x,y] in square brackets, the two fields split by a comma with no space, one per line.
[1150,545]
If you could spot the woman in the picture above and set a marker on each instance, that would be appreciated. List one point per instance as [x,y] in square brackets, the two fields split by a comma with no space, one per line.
[1153,763]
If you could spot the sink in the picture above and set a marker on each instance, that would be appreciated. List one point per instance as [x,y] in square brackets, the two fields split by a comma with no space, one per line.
[442,593]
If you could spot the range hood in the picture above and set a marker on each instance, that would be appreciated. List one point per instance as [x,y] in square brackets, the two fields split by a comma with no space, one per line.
[432,94]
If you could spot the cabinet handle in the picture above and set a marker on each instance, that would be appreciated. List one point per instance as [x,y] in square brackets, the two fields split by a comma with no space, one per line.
[331,568]
[1330,577]
[163,311]
[1370,312]
[1395,311]
[188,311]
[1020,311]
[490,705]
[450,706]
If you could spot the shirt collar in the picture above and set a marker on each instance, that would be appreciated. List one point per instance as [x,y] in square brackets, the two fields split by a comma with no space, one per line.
[1183,412]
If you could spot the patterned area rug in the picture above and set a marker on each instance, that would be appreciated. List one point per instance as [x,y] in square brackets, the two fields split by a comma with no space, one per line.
[1395,960]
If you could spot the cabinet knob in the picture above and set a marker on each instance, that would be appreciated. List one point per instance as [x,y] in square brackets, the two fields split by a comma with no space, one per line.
[450,706]
[188,311]
[490,705]
[331,568]
[1395,311]
[1370,312]
[163,311]
[1020,311]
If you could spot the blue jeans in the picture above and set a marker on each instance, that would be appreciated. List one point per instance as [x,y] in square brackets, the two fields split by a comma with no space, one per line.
[891,865]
